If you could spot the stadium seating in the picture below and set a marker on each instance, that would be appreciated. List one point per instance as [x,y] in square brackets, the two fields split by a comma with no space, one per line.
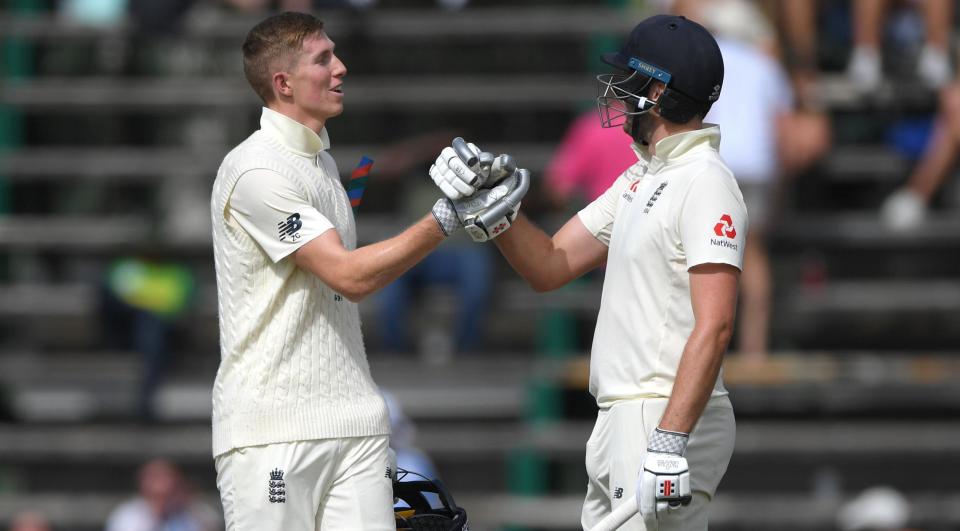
[865,366]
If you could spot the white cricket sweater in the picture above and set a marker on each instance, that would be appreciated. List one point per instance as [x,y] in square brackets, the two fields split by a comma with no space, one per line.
[292,362]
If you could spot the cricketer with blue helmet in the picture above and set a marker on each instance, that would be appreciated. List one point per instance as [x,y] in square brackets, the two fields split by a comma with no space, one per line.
[671,231]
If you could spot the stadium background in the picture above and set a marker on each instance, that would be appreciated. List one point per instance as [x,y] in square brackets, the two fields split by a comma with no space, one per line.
[112,124]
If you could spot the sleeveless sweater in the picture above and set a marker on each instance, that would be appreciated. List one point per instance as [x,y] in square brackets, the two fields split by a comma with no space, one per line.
[292,361]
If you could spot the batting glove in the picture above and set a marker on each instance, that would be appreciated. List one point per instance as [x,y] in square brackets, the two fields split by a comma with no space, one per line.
[445,213]
[462,169]
[664,481]
[467,212]
[453,176]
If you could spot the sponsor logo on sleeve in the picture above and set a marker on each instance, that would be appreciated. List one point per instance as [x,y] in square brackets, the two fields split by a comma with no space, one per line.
[628,195]
[290,228]
[725,231]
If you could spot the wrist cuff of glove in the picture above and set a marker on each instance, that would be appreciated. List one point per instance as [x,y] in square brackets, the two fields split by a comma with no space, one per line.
[668,442]
[446,215]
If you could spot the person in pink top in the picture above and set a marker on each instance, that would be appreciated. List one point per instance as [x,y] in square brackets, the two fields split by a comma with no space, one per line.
[589,159]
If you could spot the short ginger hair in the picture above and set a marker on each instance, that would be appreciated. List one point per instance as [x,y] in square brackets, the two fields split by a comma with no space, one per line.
[272,41]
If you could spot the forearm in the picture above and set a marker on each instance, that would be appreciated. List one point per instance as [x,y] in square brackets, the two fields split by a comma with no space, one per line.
[376,265]
[360,272]
[696,377]
[547,263]
[528,250]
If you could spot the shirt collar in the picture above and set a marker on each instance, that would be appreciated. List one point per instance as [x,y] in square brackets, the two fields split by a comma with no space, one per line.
[295,136]
[675,146]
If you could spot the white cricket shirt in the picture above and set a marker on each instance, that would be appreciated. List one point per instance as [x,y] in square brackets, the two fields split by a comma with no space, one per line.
[292,363]
[664,215]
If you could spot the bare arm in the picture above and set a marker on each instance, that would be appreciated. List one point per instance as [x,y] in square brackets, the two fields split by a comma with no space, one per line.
[713,292]
[547,263]
[360,272]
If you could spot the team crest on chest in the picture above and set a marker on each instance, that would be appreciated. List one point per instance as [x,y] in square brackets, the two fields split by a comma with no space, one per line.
[277,489]
[654,197]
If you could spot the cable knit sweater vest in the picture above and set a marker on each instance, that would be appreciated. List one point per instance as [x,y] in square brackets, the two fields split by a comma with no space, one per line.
[292,362]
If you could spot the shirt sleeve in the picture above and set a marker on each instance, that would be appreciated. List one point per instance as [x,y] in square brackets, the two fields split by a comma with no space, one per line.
[598,216]
[713,221]
[275,213]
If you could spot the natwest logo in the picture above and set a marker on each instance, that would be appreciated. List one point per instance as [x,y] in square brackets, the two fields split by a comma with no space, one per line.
[725,227]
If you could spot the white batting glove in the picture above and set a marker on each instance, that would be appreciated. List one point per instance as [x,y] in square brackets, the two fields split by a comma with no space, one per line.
[664,481]
[452,175]
[460,173]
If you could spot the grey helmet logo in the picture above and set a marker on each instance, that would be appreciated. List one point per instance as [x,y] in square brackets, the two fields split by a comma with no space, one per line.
[715,95]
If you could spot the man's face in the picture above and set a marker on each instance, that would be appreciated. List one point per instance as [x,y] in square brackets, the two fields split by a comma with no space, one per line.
[316,79]
[646,122]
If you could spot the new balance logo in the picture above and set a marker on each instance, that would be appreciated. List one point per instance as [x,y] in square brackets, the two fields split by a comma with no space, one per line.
[277,489]
[618,492]
[289,227]
[389,473]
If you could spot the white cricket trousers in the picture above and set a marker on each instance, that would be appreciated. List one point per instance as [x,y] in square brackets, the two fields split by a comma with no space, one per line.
[618,446]
[317,485]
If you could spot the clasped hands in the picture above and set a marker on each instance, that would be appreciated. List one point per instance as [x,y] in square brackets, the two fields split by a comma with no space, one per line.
[482,191]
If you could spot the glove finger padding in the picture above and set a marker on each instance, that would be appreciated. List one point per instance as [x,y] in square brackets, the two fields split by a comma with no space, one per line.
[453,176]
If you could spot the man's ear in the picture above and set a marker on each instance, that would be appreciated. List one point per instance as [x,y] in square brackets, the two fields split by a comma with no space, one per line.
[280,85]
[656,90]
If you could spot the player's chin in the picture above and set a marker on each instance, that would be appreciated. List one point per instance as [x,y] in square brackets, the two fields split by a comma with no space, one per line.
[329,111]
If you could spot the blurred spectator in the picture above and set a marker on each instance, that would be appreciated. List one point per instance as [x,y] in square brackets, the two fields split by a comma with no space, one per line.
[29,521]
[141,298]
[906,208]
[798,25]
[933,64]
[459,264]
[756,117]
[165,503]
[588,160]
[875,509]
